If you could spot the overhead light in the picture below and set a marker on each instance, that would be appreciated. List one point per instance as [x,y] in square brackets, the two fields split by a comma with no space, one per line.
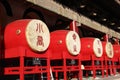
[118,27]
[94,14]
[82,6]
[118,1]
[104,19]
[112,23]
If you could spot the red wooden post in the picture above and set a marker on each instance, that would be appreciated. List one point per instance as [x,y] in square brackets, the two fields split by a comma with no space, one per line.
[116,41]
[106,37]
[106,66]
[21,67]
[64,66]
[56,75]
[93,66]
[73,26]
[48,70]
[102,68]
[49,75]
[80,69]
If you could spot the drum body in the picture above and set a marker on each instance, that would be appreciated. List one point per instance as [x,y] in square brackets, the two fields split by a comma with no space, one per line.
[64,41]
[108,49]
[91,46]
[28,33]
[116,49]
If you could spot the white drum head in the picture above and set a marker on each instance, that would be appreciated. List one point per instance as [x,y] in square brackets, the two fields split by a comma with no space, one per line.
[73,43]
[37,35]
[109,50]
[97,47]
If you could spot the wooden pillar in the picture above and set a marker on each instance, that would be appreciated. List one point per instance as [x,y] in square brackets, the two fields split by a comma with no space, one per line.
[21,67]
[93,67]
[102,68]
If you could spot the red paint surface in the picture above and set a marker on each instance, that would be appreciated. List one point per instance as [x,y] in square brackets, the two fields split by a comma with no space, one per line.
[11,38]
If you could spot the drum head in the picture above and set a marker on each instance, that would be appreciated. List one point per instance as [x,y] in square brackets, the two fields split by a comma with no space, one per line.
[37,35]
[73,43]
[97,47]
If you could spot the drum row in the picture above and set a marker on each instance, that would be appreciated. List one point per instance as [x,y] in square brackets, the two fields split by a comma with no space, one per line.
[31,38]
[34,35]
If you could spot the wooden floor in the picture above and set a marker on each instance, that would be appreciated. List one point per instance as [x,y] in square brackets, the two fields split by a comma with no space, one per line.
[112,77]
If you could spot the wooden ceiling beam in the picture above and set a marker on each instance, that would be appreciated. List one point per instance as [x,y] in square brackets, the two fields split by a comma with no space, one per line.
[70,14]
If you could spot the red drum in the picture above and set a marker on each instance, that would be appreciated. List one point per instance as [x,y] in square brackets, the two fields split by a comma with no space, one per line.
[108,49]
[116,50]
[29,33]
[91,46]
[64,41]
